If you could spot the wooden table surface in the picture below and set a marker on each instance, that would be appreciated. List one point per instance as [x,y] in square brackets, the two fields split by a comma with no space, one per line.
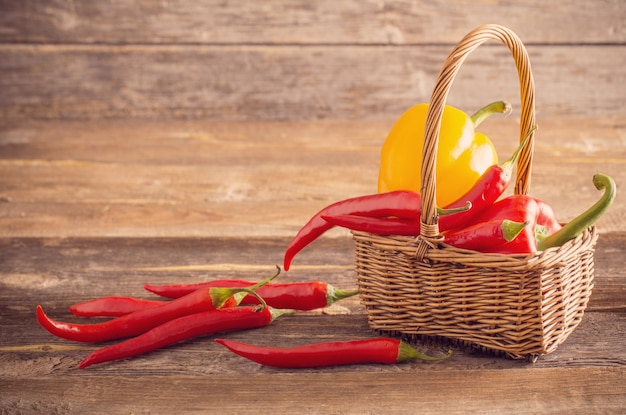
[98,208]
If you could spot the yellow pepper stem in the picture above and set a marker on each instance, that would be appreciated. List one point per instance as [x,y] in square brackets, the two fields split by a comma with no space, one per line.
[498,107]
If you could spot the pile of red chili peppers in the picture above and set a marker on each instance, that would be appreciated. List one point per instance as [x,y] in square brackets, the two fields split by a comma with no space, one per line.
[200,309]
[516,224]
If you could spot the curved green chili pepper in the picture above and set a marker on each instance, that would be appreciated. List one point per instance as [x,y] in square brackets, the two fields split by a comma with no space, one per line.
[577,225]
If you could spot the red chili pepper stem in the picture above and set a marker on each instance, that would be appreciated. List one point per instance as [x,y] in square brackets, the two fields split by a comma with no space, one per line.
[511,229]
[486,191]
[508,164]
[219,296]
[577,225]
[452,210]
[485,112]
[406,353]
[335,294]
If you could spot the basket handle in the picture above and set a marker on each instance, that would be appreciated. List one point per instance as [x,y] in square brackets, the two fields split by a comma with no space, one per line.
[429,226]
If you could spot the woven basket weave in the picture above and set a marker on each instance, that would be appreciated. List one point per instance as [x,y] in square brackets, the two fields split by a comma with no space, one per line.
[520,305]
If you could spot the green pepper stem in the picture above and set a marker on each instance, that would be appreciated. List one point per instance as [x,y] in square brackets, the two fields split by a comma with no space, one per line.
[406,352]
[501,107]
[508,164]
[335,294]
[277,312]
[511,229]
[449,211]
[577,225]
[220,295]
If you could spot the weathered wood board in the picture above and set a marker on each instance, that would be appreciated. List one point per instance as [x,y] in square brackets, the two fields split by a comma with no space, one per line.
[131,178]
[38,372]
[296,60]
[179,141]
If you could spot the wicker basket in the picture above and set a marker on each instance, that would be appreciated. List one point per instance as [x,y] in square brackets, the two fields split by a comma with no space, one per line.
[520,305]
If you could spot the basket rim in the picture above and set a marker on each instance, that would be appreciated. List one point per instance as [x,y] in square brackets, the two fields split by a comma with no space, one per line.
[442,252]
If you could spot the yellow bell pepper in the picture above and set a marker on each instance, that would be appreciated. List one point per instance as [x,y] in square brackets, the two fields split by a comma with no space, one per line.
[463,154]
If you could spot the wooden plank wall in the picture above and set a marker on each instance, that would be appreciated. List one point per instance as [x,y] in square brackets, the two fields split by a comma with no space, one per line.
[297,59]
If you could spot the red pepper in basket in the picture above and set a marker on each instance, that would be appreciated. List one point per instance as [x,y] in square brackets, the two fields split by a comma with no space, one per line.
[496,235]
[536,236]
[378,226]
[303,296]
[482,236]
[546,217]
[404,204]
[487,189]
[143,320]
[379,350]
[186,327]
[518,208]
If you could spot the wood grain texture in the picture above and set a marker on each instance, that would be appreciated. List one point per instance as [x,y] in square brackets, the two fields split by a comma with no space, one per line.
[140,179]
[90,209]
[296,60]
[304,22]
[38,371]
[180,141]
[292,82]
[585,392]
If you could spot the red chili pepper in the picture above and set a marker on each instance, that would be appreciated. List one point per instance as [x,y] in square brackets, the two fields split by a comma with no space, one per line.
[492,236]
[303,296]
[378,226]
[483,236]
[179,290]
[379,350]
[112,306]
[138,322]
[186,327]
[404,204]
[487,189]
